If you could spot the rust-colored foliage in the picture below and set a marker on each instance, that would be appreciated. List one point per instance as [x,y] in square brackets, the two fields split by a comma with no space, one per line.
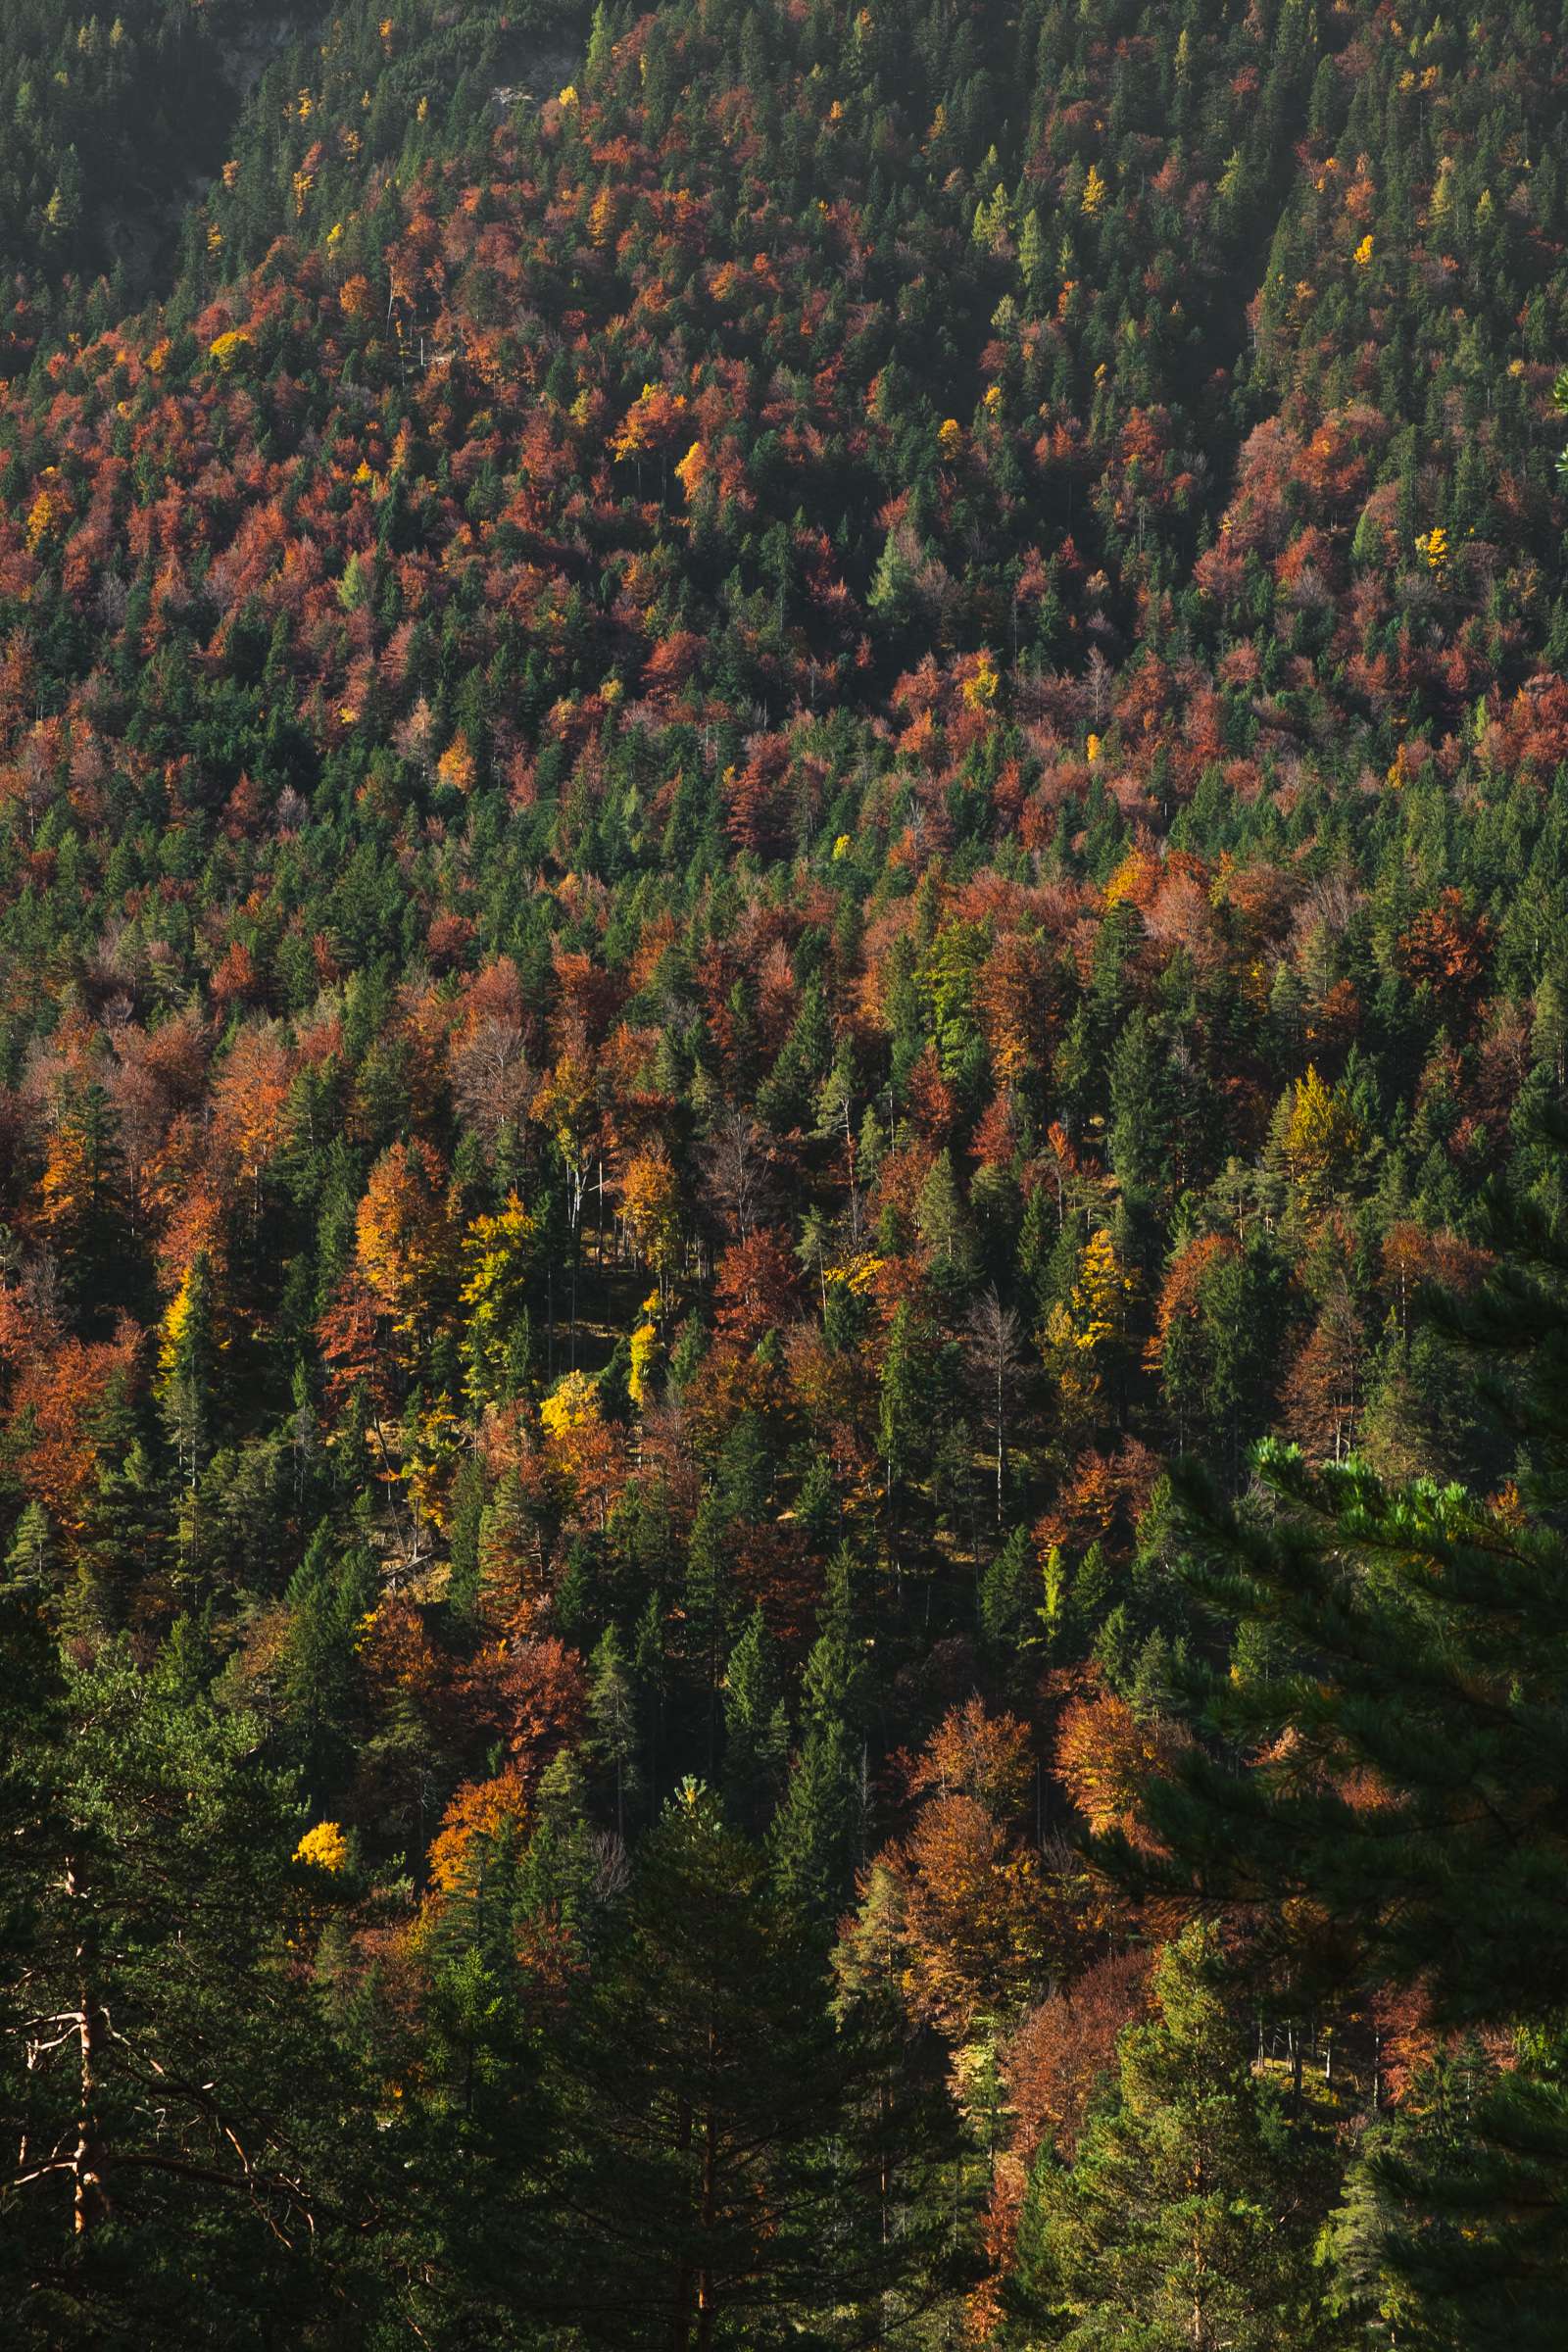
[1104,1755]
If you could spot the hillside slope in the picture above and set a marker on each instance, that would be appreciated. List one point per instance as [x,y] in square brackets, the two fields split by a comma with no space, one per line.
[778,788]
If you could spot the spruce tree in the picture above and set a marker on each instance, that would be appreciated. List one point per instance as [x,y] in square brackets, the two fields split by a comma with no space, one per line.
[1395,1690]
[755,1728]
[613,1713]
[1186,2221]
[819,1829]
[717,2182]
[1451,2234]
[1416,1642]
[197,2164]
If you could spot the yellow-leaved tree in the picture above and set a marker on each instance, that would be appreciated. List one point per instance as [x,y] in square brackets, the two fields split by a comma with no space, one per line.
[650,1205]
[1085,1338]
[582,1448]
[403,1238]
[571,1405]
[497,1251]
[1318,1135]
[567,1107]
[645,1354]
[324,1847]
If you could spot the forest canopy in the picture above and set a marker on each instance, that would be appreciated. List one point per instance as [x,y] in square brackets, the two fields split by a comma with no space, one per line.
[783,1157]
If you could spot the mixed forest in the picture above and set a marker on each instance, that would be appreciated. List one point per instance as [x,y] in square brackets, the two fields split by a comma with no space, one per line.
[783,1175]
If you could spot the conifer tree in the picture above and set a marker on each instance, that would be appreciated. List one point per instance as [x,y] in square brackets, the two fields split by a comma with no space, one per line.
[191,2150]
[818,1834]
[716,2185]
[612,1712]
[1399,1663]
[755,1728]
[1452,2234]
[1186,2219]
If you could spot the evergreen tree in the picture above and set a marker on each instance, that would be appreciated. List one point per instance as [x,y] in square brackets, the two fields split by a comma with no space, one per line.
[1141,1109]
[1452,2231]
[1413,1642]
[477,2247]
[186,1370]
[197,2166]
[329,1594]
[1187,2218]
[612,1712]
[755,1728]
[819,1832]
[720,2194]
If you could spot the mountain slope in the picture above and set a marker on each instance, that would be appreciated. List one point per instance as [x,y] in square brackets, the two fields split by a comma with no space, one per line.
[777,789]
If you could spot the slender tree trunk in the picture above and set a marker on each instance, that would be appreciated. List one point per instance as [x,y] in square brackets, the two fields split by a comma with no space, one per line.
[681,2326]
[88,2162]
[1001,1457]
[855,1189]
[1199,2323]
[706,2313]
[576,1251]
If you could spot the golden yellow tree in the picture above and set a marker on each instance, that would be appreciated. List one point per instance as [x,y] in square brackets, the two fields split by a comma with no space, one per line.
[1320,1137]
[496,1255]
[403,1238]
[1086,1335]
[650,1206]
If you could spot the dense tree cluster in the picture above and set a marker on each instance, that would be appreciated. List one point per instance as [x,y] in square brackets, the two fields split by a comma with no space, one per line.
[782,790]
[112,123]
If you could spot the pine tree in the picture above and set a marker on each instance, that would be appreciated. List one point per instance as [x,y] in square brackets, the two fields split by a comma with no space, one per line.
[1549,1028]
[1187,2218]
[124,1519]
[31,1559]
[942,1220]
[187,1357]
[1451,2234]
[36,1832]
[79,1195]
[719,2185]
[755,1728]
[612,1712]
[1408,1644]
[1421,1640]
[1141,1109]
[194,2155]
[479,2250]
[601,48]
[706,1605]
[818,1834]
[329,1594]
[1031,253]
[906,1412]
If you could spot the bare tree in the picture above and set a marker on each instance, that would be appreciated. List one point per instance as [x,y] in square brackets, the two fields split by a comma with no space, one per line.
[739,1170]
[995,1337]
[491,1078]
[1098,675]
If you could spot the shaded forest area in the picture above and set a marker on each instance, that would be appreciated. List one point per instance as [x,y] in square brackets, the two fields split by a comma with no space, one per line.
[783,1031]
